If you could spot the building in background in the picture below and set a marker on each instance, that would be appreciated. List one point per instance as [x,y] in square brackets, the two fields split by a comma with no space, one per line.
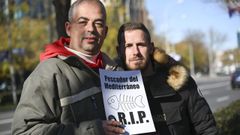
[136,11]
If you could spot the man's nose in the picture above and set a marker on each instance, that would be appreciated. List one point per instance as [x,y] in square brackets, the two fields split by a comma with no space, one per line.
[135,50]
[90,27]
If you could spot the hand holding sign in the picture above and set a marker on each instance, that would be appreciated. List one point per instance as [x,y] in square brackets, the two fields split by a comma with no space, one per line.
[112,127]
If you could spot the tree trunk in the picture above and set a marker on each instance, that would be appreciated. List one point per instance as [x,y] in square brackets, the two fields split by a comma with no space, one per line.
[61,9]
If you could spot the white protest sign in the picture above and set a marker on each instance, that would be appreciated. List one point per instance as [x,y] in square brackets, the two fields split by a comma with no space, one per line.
[125,100]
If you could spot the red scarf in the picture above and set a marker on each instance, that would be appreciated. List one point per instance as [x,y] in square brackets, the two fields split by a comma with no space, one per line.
[57,48]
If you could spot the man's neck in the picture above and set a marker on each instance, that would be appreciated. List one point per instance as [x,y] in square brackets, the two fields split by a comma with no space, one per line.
[86,57]
[148,71]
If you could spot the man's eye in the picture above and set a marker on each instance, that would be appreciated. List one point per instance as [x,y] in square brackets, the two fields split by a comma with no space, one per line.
[82,22]
[98,24]
[142,45]
[128,45]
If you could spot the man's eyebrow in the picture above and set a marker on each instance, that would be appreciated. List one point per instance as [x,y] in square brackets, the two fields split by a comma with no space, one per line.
[84,18]
[100,20]
[128,43]
[142,42]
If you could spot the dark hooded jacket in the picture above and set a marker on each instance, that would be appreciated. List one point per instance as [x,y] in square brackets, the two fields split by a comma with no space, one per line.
[62,96]
[177,107]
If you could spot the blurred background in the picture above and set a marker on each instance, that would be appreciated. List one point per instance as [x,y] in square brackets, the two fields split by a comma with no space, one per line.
[202,34]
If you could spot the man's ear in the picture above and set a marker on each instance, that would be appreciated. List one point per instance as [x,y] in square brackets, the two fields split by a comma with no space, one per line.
[106,31]
[68,28]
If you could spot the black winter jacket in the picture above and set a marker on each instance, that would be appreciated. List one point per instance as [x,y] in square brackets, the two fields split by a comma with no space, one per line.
[176,103]
[177,106]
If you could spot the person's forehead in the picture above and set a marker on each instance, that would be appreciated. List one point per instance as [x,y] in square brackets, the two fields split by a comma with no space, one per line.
[137,33]
[87,8]
[90,4]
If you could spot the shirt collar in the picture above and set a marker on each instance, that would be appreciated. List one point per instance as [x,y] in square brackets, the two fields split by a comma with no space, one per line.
[88,58]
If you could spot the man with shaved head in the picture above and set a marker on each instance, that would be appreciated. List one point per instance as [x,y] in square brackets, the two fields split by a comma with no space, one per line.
[62,96]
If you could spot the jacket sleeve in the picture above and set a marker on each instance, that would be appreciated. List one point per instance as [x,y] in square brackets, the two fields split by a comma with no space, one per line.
[200,113]
[39,111]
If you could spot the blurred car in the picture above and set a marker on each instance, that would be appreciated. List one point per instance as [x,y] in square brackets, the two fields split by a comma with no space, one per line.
[235,79]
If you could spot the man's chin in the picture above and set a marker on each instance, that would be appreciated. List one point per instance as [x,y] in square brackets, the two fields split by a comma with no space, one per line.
[135,67]
[91,50]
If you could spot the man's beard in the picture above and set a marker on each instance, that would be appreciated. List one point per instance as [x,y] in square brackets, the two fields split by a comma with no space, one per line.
[138,66]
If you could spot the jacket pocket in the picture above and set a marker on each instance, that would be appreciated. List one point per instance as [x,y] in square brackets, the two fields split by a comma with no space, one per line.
[176,118]
[172,113]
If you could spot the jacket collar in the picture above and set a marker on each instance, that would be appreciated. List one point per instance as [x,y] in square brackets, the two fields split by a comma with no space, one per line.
[170,76]
[176,74]
[158,87]
[108,64]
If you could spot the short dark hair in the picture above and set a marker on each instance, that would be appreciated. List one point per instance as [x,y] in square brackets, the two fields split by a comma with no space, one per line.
[78,2]
[132,26]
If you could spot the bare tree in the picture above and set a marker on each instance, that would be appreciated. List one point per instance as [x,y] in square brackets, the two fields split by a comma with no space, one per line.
[193,51]
[196,46]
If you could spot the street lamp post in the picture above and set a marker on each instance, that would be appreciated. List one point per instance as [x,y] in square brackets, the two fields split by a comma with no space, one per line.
[211,57]
[191,59]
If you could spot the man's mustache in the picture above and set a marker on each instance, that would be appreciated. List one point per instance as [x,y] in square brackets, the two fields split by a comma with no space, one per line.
[136,58]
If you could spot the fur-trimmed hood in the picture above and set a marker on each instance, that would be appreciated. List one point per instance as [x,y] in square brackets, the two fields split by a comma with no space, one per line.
[177,73]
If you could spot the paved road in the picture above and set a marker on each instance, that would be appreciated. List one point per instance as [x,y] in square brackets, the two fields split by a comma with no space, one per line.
[5,122]
[217,92]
